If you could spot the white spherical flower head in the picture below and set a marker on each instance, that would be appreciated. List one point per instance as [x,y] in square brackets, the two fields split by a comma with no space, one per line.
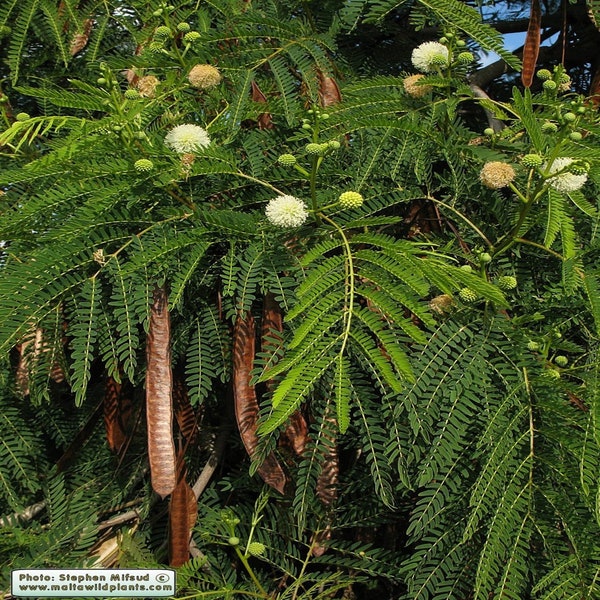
[187,139]
[430,55]
[565,181]
[286,211]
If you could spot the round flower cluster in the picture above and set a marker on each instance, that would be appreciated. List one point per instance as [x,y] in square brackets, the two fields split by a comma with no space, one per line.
[496,175]
[532,160]
[143,165]
[187,138]
[316,149]
[162,32]
[256,549]
[350,200]
[204,77]
[147,86]
[561,360]
[549,127]
[131,94]
[429,55]
[465,58]
[412,87]
[565,181]
[191,37]
[286,211]
[441,304]
[467,295]
[287,160]
[544,74]
[507,282]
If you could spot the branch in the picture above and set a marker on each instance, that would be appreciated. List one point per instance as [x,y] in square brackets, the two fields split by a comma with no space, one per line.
[25,515]
[212,462]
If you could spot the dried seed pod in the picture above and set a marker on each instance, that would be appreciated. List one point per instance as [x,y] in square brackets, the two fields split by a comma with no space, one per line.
[159,402]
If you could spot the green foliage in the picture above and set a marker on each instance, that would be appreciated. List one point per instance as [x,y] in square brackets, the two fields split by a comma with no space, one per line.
[437,432]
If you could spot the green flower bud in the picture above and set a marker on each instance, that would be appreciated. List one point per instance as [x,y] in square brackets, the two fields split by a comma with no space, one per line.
[131,94]
[3,99]
[314,149]
[101,81]
[579,168]
[157,12]
[162,32]
[306,126]
[467,295]
[575,136]
[22,116]
[461,43]
[533,346]
[256,549]
[143,165]
[465,58]
[549,85]
[485,258]
[443,40]
[233,541]
[287,160]
[183,27]
[155,47]
[532,160]
[549,127]
[324,116]
[569,117]
[551,374]
[191,37]
[544,74]
[350,200]
[582,110]
[488,131]
[439,60]
[466,268]
[564,78]
[507,282]
[561,361]
[334,145]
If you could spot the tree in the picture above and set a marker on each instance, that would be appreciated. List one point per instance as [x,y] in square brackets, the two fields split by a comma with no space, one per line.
[294,322]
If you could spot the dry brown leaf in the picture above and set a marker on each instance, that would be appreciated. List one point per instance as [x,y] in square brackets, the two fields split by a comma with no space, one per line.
[329,91]
[80,40]
[264,119]
[159,401]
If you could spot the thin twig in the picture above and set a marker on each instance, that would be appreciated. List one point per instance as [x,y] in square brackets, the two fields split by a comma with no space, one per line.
[212,462]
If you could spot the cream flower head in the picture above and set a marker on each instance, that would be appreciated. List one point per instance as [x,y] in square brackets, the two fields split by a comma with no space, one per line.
[204,77]
[496,175]
[286,211]
[429,55]
[186,139]
[412,87]
[147,86]
[566,181]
